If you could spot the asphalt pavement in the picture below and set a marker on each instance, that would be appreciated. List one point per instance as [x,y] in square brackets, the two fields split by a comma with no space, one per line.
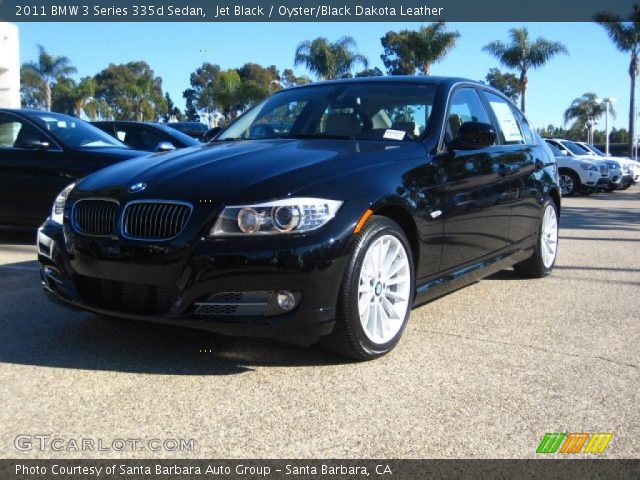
[483,372]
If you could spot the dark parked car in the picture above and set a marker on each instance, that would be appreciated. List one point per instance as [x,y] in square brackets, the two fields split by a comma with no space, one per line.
[152,137]
[196,130]
[383,193]
[42,152]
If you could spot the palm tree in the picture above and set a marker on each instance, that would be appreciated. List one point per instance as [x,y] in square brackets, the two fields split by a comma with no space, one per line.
[49,68]
[582,108]
[625,34]
[430,44]
[82,93]
[329,60]
[409,50]
[522,54]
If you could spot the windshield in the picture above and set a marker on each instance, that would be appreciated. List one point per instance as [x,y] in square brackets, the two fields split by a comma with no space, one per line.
[556,151]
[178,135]
[574,148]
[596,150]
[74,132]
[380,111]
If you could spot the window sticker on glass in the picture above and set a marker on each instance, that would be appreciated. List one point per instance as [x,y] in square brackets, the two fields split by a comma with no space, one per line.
[507,122]
[390,134]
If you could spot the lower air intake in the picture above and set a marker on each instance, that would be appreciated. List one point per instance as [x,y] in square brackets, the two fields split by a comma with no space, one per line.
[239,304]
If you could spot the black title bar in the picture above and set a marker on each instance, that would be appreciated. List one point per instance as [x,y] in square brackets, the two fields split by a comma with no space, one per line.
[250,469]
[308,10]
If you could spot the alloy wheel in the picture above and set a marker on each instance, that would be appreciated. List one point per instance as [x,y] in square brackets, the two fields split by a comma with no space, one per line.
[384,289]
[566,184]
[549,234]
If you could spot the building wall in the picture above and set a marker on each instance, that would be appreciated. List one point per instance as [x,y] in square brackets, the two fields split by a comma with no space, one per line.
[9,66]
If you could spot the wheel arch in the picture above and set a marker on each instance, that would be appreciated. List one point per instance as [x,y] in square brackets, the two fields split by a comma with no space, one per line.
[554,193]
[402,217]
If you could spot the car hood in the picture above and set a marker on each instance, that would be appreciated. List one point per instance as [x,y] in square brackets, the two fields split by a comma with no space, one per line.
[118,153]
[247,171]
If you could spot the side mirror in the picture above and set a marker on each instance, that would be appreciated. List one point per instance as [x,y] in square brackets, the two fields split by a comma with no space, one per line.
[165,147]
[34,142]
[211,134]
[474,135]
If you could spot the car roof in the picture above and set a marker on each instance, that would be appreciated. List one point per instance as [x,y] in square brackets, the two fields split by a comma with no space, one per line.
[412,79]
[30,111]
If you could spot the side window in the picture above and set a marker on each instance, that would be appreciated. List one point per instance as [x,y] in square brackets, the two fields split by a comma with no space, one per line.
[466,106]
[14,132]
[508,127]
[529,138]
[151,139]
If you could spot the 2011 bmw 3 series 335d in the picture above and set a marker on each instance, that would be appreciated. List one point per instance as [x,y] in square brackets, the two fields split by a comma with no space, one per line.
[323,214]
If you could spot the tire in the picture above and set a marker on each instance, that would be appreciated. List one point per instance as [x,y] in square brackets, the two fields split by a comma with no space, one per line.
[627,185]
[612,187]
[569,183]
[586,191]
[539,264]
[360,339]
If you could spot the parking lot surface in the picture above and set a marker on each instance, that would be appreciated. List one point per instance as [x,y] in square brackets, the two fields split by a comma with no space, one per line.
[483,372]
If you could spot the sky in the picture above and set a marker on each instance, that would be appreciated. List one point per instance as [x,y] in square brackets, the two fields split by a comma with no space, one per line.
[174,50]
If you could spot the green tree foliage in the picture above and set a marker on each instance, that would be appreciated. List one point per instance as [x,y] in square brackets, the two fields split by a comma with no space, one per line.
[370,72]
[202,81]
[329,60]
[191,112]
[132,90]
[582,108]
[523,54]
[172,110]
[49,69]
[625,35]
[410,51]
[507,83]
[289,79]
[70,97]
[229,94]
[31,89]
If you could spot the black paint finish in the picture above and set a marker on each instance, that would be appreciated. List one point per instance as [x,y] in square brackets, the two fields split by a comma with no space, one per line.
[465,212]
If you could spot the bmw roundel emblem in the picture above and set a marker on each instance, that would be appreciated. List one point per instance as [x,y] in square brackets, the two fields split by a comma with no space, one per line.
[137,187]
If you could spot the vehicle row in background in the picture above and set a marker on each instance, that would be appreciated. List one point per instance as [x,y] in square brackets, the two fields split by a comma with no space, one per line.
[585,169]
[40,153]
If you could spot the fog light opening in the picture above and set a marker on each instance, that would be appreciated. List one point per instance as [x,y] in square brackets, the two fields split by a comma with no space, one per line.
[286,300]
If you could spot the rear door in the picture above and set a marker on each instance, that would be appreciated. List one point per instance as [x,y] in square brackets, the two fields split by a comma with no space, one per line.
[521,159]
[30,178]
[475,192]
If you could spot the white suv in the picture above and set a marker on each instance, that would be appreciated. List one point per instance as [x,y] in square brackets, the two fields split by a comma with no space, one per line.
[579,174]
[630,168]
[574,150]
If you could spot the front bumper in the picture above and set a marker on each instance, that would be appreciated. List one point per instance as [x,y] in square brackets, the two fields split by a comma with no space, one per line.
[626,180]
[104,275]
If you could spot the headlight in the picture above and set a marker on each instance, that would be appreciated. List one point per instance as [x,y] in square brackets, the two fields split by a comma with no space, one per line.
[57,211]
[291,215]
[588,166]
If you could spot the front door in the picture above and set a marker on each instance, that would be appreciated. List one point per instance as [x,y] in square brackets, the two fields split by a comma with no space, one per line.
[475,190]
[29,175]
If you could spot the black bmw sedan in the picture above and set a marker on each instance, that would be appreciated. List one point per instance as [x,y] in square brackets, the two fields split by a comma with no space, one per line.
[325,213]
[41,153]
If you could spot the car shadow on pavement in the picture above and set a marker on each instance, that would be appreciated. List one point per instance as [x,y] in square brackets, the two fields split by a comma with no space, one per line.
[17,237]
[35,331]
